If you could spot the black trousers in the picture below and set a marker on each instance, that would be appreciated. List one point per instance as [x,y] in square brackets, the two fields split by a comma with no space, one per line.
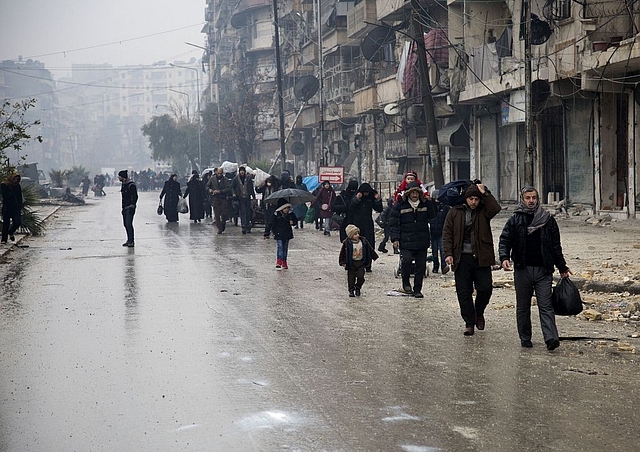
[355,275]
[530,280]
[408,257]
[127,220]
[467,275]
[246,213]
[11,221]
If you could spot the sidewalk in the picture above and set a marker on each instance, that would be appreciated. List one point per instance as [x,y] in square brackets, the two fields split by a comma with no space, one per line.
[45,211]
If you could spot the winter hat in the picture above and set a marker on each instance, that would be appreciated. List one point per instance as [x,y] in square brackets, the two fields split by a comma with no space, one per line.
[411,173]
[411,187]
[472,191]
[351,230]
[124,174]
[282,203]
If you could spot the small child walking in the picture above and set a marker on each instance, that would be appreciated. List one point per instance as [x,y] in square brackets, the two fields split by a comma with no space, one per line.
[355,255]
[282,221]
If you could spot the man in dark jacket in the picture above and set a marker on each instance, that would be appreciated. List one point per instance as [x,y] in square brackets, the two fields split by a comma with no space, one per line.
[435,228]
[531,238]
[242,190]
[409,229]
[129,200]
[363,203]
[218,187]
[468,246]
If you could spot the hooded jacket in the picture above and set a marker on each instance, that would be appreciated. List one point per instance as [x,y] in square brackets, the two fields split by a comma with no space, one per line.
[11,194]
[410,226]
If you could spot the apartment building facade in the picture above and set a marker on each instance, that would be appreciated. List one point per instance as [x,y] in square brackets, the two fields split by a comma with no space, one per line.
[369,115]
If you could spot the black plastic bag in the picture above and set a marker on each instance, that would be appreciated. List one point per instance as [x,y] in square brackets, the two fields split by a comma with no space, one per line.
[160,209]
[566,298]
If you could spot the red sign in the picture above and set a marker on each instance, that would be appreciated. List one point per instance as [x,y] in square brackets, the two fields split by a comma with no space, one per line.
[334,174]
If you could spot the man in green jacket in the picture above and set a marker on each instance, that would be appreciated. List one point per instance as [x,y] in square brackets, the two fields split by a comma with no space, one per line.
[468,246]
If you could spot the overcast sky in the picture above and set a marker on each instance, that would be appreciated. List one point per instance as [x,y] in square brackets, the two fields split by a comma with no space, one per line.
[60,33]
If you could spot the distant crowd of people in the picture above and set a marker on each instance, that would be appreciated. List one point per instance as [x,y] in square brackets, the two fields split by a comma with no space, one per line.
[412,219]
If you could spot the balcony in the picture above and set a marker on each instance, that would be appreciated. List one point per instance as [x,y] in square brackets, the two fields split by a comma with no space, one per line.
[356,18]
[390,10]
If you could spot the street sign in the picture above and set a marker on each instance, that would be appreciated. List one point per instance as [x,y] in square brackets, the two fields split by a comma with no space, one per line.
[334,174]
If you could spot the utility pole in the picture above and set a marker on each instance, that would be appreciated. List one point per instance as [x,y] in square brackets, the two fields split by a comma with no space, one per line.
[283,156]
[529,155]
[321,79]
[427,99]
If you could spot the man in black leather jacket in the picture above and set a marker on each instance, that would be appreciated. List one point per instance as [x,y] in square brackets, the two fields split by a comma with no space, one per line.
[531,238]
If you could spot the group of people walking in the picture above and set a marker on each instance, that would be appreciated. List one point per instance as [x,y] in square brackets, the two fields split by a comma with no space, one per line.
[460,236]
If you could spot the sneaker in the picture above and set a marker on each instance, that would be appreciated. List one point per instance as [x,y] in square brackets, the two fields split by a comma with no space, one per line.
[406,289]
[284,265]
[357,291]
[12,238]
[351,294]
[526,344]
[4,242]
[278,266]
[418,295]
[552,344]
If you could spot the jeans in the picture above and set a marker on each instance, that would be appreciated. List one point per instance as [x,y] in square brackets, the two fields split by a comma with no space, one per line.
[436,248]
[127,220]
[246,213]
[467,274]
[530,280]
[282,249]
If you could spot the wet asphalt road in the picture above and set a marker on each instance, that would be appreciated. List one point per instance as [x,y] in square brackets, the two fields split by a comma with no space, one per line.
[194,342]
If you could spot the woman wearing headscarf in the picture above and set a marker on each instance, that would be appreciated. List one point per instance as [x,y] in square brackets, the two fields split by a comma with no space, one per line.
[341,206]
[207,196]
[195,192]
[11,206]
[365,201]
[324,201]
[267,188]
[171,194]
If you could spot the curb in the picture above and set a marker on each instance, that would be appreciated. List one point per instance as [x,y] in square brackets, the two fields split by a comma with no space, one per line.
[4,249]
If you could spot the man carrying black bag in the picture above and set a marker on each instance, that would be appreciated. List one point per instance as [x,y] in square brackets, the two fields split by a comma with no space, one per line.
[531,238]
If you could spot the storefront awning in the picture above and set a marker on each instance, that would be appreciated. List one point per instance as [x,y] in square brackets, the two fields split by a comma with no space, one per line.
[454,134]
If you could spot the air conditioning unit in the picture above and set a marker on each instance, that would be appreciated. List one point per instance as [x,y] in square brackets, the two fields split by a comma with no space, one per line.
[357,129]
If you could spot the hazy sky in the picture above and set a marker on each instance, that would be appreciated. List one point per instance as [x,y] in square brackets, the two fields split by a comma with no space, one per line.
[64,32]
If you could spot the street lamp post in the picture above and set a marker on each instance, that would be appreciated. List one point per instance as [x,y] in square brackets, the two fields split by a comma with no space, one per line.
[199,113]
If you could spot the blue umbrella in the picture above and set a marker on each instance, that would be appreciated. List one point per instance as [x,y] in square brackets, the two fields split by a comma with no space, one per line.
[311,182]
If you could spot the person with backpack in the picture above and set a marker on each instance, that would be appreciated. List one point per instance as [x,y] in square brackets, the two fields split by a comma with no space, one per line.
[468,246]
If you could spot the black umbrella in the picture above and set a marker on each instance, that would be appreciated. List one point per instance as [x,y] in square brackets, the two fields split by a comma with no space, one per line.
[291,195]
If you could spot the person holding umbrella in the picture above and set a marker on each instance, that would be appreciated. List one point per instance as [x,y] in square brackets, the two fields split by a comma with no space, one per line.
[281,223]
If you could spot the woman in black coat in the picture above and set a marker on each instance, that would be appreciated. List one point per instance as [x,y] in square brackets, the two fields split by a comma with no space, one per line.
[342,204]
[363,203]
[11,206]
[171,194]
[195,192]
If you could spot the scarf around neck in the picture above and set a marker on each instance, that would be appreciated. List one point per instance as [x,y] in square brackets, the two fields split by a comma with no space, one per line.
[540,216]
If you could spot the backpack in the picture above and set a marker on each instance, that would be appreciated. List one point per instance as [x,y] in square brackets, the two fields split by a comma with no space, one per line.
[452,193]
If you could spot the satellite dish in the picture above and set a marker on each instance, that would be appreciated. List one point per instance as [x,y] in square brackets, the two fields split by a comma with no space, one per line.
[306,87]
[540,31]
[391,109]
[238,20]
[540,92]
[374,41]
[298,148]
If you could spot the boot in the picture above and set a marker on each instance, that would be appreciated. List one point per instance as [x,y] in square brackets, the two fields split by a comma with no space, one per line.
[278,263]
[284,265]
